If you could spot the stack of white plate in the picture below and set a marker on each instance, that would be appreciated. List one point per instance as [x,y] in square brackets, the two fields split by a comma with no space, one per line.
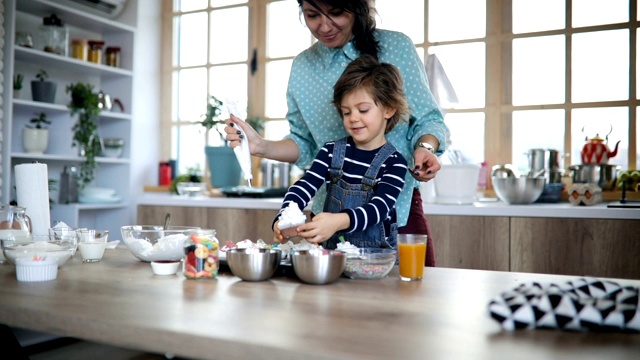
[98,195]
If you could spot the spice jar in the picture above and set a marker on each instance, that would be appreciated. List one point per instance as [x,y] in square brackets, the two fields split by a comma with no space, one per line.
[95,51]
[201,255]
[53,36]
[79,49]
[112,57]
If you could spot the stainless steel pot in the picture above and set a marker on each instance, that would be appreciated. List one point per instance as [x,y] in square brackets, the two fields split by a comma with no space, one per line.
[603,175]
[543,159]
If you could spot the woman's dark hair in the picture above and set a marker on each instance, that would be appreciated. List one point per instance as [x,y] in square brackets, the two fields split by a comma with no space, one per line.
[364,22]
[382,81]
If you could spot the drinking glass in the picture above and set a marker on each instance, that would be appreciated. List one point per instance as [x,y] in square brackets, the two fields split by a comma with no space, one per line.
[92,244]
[412,249]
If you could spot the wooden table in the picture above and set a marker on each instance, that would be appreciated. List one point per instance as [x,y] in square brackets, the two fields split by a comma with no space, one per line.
[119,301]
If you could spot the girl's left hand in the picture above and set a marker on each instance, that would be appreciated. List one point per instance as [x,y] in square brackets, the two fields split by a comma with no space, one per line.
[323,226]
[426,165]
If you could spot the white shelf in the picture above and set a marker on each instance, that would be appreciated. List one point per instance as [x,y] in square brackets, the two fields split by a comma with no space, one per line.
[51,60]
[38,106]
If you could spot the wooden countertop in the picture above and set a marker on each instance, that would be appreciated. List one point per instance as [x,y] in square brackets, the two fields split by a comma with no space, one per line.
[119,301]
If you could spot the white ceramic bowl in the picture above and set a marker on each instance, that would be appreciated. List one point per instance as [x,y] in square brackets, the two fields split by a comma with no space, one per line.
[28,269]
[52,249]
[165,267]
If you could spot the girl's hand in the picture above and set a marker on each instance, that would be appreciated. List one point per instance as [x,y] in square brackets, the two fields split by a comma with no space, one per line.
[323,226]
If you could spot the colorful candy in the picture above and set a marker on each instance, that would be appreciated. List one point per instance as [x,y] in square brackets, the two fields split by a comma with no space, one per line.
[201,257]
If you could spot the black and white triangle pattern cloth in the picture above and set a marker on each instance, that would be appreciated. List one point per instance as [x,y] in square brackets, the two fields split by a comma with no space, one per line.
[584,304]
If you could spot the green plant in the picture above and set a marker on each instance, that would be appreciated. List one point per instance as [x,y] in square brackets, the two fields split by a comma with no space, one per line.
[17,81]
[194,174]
[84,103]
[212,118]
[42,75]
[39,121]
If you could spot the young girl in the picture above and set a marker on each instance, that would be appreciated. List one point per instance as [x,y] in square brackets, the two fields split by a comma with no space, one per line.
[364,174]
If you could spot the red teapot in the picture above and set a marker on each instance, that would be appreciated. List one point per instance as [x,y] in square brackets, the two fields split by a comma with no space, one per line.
[596,151]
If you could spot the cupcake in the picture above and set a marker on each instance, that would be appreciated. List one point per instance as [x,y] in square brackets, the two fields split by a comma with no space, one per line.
[290,218]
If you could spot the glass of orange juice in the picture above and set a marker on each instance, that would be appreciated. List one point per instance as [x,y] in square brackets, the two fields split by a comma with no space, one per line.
[412,249]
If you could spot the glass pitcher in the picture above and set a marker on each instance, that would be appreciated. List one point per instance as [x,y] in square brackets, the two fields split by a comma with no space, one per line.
[15,224]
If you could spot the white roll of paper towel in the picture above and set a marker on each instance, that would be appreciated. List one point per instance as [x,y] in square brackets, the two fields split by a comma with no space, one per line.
[32,190]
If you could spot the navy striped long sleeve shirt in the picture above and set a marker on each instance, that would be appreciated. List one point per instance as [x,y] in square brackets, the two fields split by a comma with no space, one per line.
[389,183]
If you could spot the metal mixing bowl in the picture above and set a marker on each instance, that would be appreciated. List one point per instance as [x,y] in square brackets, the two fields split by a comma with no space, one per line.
[318,266]
[603,175]
[521,190]
[253,264]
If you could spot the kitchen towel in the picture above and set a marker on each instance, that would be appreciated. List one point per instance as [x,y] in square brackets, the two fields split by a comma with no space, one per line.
[584,304]
[32,189]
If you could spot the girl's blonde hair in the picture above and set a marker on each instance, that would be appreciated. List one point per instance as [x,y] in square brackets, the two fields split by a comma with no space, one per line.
[382,81]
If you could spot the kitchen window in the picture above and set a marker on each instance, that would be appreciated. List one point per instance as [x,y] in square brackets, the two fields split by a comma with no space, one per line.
[527,73]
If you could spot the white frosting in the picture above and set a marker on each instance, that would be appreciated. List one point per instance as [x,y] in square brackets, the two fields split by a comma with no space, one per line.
[291,216]
[169,247]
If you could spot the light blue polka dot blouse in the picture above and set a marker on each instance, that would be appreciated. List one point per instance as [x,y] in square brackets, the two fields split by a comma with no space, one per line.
[313,120]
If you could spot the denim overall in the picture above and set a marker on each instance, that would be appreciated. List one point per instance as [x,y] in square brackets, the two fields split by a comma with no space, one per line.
[342,195]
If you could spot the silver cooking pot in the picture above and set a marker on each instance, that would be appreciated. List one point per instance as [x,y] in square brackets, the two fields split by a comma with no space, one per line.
[603,175]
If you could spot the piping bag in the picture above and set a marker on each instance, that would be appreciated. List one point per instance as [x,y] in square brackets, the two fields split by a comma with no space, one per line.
[242,152]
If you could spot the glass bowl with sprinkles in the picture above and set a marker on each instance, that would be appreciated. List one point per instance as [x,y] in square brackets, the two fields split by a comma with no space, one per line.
[370,264]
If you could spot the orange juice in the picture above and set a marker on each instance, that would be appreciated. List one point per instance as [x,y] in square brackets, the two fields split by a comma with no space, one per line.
[411,260]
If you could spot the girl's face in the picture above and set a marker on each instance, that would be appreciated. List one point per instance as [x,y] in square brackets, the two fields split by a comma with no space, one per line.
[364,120]
[333,31]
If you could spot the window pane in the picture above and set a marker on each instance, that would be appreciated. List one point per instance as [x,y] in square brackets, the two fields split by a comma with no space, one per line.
[190,5]
[536,129]
[188,143]
[218,3]
[284,22]
[600,121]
[467,136]
[464,65]
[456,19]
[276,129]
[538,70]
[192,94]
[600,66]
[226,45]
[537,15]
[229,82]
[408,18]
[276,88]
[598,12]
[191,29]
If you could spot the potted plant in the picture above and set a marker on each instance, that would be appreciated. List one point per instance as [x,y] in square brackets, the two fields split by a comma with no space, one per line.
[43,90]
[84,103]
[17,84]
[223,166]
[35,138]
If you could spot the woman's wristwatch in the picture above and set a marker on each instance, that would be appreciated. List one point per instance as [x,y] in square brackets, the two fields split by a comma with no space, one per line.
[427,146]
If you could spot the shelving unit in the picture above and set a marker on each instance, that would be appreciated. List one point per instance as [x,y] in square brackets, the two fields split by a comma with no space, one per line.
[26,16]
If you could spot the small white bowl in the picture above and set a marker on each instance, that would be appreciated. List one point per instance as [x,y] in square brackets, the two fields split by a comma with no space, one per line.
[165,267]
[28,269]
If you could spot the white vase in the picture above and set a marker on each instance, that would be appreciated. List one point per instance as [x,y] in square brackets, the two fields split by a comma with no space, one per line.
[35,141]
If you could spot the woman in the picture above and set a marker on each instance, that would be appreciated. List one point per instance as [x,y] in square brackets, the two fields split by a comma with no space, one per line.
[345,30]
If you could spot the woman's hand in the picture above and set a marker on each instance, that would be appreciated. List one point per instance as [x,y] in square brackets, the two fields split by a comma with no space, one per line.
[323,226]
[234,137]
[426,164]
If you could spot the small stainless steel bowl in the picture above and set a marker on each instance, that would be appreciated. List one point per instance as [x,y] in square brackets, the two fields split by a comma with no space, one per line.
[522,190]
[603,175]
[253,264]
[318,266]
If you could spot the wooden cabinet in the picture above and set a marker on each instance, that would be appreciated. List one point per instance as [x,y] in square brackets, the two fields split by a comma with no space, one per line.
[581,247]
[26,16]
[230,224]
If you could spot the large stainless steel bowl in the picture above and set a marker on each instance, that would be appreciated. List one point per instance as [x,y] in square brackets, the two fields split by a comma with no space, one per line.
[603,175]
[520,190]
[318,266]
[253,264]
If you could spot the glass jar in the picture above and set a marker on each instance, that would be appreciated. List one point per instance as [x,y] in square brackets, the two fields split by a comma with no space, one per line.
[201,255]
[112,57]
[53,36]
[24,39]
[95,51]
[79,49]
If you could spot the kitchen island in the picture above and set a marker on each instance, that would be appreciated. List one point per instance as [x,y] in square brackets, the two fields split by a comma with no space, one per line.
[118,301]
[540,238]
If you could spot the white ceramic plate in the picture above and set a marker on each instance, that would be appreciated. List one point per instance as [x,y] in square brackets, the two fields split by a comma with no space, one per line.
[99,200]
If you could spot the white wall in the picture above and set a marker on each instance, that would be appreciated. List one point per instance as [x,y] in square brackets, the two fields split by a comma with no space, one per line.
[145,127]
